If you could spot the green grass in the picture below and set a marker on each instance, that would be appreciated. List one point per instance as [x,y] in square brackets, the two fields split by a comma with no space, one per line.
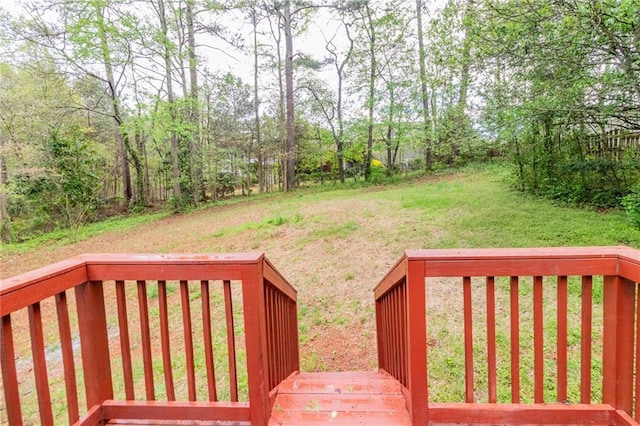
[471,208]
[479,210]
[64,237]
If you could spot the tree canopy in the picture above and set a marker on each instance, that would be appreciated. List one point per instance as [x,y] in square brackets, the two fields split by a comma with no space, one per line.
[108,106]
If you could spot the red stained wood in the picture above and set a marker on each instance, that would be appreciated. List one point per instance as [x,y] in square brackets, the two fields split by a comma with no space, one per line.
[231,342]
[618,341]
[9,376]
[538,341]
[342,385]
[514,309]
[468,338]
[403,330]
[93,417]
[270,355]
[392,278]
[188,339]
[417,343]
[341,402]
[366,398]
[293,335]
[171,410]
[585,339]
[351,418]
[94,342]
[125,345]
[637,386]
[208,344]
[165,341]
[393,333]
[66,345]
[624,419]
[355,376]
[26,289]
[629,265]
[573,414]
[169,266]
[147,361]
[40,364]
[491,338]
[561,370]
[256,343]
[272,275]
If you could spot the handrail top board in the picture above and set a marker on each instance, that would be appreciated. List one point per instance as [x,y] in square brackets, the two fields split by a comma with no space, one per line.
[85,261]
[523,253]
[452,262]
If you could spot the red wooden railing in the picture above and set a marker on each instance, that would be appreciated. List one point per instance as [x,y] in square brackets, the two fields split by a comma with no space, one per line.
[402,317]
[131,348]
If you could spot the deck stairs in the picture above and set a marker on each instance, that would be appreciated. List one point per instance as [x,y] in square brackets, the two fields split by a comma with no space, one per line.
[340,398]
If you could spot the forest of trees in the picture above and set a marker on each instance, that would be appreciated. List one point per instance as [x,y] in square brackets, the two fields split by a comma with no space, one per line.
[111,106]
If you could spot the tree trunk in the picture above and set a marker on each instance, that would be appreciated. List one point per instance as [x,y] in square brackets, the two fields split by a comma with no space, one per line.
[390,130]
[340,72]
[290,175]
[372,87]
[175,161]
[423,89]
[196,148]
[117,118]
[256,101]
[5,220]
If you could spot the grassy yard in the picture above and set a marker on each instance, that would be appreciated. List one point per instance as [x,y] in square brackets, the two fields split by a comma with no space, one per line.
[335,244]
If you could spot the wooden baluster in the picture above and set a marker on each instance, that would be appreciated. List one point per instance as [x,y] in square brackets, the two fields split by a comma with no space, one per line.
[514,307]
[278,328]
[491,338]
[125,345]
[293,335]
[231,342]
[637,404]
[188,339]
[9,375]
[384,331]
[585,339]
[538,341]
[617,364]
[468,339]
[256,341]
[417,343]
[562,302]
[208,343]
[66,344]
[380,334]
[94,342]
[393,332]
[143,307]
[271,333]
[165,341]
[403,329]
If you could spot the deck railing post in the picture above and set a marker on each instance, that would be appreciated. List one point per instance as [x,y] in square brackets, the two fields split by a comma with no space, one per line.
[618,344]
[94,342]
[417,342]
[253,302]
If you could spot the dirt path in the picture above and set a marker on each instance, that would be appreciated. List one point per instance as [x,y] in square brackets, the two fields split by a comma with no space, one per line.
[333,249]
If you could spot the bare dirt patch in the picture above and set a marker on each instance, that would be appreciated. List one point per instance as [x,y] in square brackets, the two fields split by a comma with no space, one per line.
[332,249]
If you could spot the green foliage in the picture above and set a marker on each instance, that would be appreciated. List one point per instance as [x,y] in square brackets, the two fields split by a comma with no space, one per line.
[225,184]
[64,192]
[631,203]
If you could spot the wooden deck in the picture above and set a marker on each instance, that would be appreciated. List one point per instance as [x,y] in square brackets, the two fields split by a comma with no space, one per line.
[91,295]
[348,398]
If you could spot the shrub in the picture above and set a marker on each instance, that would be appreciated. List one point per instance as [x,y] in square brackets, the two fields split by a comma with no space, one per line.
[631,203]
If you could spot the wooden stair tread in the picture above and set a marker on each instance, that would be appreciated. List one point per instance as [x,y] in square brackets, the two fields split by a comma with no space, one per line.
[341,398]
[340,387]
